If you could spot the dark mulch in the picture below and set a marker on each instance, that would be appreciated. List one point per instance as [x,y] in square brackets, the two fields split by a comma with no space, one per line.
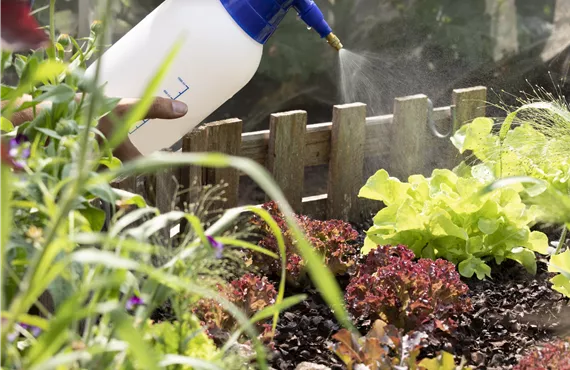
[513,312]
[303,332]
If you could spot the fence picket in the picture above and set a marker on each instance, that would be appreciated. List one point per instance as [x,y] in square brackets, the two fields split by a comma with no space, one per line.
[409,131]
[192,176]
[286,154]
[225,137]
[346,164]
[468,104]
[401,143]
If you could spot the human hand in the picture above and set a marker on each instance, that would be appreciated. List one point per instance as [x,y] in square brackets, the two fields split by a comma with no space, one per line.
[161,108]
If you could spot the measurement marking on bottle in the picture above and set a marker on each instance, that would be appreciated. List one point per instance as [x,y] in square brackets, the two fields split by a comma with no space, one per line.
[179,94]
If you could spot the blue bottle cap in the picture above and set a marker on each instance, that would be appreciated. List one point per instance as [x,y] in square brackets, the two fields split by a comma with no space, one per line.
[260,18]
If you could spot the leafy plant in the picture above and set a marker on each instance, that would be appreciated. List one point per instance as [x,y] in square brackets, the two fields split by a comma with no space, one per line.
[533,156]
[385,347]
[106,281]
[443,361]
[555,355]
[560,263]
[524,150]
[333,240]
[551,206]
[410,295]
[185,337]
[250,293]
[446,216]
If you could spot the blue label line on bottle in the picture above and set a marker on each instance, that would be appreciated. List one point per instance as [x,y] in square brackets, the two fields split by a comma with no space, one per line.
[179,94]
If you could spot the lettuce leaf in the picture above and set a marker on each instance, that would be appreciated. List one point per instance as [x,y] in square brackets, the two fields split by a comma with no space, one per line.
[445,216]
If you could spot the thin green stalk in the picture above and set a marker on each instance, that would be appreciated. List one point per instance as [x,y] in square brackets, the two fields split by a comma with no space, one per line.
[83,172]
[561,241]
[51,50]
[18,306]
[52,21]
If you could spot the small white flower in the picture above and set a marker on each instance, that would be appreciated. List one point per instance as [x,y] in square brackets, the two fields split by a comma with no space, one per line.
[361,367]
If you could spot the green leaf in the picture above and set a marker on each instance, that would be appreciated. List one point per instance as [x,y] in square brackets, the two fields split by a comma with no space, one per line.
[48,132]
[537,242]
[243,244]
[7,180]
[103,191]
[47,70]
[443,361]
[442,225]
[561,284]
[384,188]
[56,94]
[95,216]
[525,257]
[476,266]
[142,352]
[111,163]
[6,91]
[488,226]
[6,125]
[510,181]
[129,198]
[560,262]
[108,259]
[408,218]
[64,360]
[195,363]
[57,334]
[6,61]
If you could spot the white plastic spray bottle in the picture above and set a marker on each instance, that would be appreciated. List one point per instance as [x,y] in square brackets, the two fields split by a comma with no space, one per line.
[223,44]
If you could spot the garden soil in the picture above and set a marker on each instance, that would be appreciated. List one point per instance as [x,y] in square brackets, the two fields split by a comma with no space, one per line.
[512,312]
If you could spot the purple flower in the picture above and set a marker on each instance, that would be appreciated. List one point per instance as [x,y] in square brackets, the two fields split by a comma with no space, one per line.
[32,329]
[218,247]
[19,150]
[12,336]
[133,302]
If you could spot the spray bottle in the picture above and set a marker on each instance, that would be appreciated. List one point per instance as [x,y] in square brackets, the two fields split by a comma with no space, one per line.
[223,45]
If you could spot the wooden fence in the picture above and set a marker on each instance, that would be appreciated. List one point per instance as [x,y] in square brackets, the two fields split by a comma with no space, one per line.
[349,149]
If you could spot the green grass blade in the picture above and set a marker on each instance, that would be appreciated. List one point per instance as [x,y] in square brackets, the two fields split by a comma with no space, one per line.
[276,231]
[321,276]
[171,359]
[6,218]
[246,245]
[141,351]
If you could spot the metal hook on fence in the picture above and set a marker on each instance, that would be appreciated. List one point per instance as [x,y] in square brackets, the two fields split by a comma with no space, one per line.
[431,122]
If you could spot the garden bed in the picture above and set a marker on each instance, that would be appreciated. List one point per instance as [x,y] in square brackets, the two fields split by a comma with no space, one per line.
[512,312]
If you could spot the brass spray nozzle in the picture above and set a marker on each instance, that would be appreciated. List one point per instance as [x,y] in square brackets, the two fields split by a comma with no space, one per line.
[334,41]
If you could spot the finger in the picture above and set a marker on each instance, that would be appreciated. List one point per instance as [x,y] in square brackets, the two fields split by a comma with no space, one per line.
[161,108]
[17,118]
[28,114]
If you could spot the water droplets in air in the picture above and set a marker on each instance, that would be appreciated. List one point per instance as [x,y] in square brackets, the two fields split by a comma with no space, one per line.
[366,78]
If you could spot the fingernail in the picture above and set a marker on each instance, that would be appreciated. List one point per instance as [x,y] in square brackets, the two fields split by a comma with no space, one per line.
[179,107]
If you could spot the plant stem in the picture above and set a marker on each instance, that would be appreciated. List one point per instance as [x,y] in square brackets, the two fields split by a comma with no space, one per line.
[52,22]
[561,241]
[51,50]
[21,301]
